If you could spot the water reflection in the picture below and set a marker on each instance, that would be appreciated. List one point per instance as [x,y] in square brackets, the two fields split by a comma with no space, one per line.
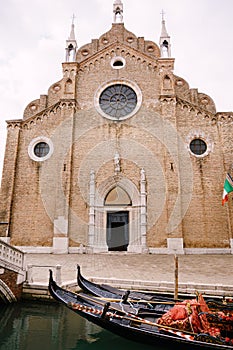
[46,326]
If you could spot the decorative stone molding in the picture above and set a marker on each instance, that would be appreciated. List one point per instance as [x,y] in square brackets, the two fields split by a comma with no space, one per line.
[110,183]
[14,124]
[167,100]
[70,70]
[166,65]
[213,119]
[197,111]
[224,117]
[115,34]
[98,212]
[125,54]
[46,114]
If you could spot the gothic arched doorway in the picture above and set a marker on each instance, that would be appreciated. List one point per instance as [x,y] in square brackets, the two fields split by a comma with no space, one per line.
[127,206]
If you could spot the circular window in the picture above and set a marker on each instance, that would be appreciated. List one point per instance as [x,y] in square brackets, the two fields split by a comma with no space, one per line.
[198,146]
[40,149]
[118,100]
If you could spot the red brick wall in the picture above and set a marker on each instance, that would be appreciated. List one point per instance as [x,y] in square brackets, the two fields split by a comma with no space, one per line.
[10,278]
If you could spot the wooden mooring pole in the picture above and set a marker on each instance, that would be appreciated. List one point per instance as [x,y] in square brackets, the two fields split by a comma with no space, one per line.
[176,283]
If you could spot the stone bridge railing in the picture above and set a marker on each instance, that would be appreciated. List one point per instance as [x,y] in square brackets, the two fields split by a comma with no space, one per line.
[10,257]
[12,272]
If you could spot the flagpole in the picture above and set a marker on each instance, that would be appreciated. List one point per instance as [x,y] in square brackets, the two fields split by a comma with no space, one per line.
[228,211]
[229,226]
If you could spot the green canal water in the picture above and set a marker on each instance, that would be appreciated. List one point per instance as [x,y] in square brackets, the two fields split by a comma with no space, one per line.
[50,326]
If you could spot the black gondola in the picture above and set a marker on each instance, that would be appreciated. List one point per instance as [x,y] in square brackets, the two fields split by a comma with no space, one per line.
[112,293]
[133,324]
[138,298]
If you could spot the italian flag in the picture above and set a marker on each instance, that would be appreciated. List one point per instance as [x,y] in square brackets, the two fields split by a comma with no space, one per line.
[228,187]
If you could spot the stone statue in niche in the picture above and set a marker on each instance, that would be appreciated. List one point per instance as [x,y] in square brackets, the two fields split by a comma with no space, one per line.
[117,163]
[143,176]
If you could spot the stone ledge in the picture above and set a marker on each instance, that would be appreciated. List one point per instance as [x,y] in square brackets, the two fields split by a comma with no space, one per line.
[168,287]
[40,291]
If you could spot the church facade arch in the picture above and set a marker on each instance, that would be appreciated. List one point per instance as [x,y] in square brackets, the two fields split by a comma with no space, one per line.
[135,211]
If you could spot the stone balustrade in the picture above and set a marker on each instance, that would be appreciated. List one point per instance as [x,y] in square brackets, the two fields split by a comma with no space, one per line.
[12,274]
[11,257]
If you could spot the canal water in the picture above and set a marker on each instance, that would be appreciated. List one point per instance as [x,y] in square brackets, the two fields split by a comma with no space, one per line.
[51,326]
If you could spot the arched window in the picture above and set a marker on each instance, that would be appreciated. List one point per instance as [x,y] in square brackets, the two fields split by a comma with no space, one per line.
[117,196]
[167,84]
[68,86]
[165,49]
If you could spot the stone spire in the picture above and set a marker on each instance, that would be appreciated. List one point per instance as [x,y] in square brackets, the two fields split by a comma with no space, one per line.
[117,11]
[165,45]
[71,44]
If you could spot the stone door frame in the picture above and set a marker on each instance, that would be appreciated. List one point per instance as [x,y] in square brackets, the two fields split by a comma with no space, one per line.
[97,231]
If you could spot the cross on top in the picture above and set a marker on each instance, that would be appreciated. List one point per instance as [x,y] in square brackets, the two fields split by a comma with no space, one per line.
[73,18]
[162,13]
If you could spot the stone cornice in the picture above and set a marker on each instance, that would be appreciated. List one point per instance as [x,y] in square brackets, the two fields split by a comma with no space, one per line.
[42,115]
[14,123]
[218,118]
[225,117]
[118,46]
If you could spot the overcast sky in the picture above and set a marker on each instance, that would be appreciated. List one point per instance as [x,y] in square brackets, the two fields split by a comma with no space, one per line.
[33,35]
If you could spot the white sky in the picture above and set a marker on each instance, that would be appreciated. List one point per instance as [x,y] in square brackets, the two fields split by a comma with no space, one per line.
[33,35]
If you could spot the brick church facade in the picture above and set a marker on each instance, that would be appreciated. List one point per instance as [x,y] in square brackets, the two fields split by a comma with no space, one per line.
[120,155]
